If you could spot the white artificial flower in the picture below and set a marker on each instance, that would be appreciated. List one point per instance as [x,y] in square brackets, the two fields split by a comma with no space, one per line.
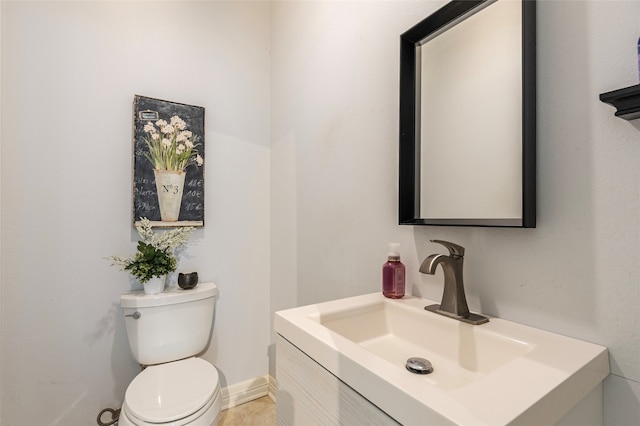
[155,136]
[167,240]
[149,128]
[161,123]
[180,149]
[166,143]
[199,160]
[167,129]
[189,144]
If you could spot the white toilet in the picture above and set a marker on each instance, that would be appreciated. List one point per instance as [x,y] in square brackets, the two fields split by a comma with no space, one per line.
[166,331]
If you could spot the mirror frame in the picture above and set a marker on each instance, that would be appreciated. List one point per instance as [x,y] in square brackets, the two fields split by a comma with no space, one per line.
[409,173]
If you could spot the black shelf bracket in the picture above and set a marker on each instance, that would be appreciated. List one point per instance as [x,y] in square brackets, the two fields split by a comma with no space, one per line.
[626,101]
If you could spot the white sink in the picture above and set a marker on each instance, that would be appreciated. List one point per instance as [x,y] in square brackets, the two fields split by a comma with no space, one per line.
[397,331]
[496,373]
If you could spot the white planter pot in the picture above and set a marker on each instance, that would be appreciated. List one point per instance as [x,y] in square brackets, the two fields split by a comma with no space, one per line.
[170,186]
[155,285]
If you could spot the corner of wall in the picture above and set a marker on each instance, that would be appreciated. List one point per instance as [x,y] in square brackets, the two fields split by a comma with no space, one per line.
[2,50]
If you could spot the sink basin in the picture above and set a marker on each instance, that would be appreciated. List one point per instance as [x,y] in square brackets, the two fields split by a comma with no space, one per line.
[495,373]
[459,353]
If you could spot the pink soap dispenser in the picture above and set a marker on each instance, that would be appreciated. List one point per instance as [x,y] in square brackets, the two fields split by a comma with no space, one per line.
[393,274]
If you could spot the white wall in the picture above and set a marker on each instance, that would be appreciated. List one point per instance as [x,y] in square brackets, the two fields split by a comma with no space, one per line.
[335,103]
[2,83]
[71,70]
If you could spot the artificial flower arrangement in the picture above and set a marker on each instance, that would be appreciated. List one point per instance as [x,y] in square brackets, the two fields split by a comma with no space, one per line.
[155,256]
[171,146]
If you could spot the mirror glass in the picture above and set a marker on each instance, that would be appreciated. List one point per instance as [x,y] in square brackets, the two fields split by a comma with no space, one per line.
[467,140]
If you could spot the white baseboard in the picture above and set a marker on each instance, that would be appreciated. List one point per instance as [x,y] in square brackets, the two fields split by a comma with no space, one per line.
[272,388]
[249,390]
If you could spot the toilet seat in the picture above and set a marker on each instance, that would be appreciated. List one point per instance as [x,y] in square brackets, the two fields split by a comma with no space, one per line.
[176,393]
[206,416]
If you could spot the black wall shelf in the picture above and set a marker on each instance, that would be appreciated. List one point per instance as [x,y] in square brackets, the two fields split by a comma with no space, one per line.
[626,101]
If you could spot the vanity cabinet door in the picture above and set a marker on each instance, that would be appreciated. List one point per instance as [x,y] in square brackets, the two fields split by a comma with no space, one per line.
[308,394]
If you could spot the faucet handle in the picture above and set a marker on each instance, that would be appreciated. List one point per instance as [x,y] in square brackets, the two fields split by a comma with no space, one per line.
[454,249]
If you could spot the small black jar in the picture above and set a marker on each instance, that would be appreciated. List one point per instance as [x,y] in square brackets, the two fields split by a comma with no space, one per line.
[188,281]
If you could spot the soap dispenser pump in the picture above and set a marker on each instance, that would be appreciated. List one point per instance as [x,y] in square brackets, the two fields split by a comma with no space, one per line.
[393,274]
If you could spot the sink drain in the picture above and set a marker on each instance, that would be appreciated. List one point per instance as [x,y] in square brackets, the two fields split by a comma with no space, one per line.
[419,366]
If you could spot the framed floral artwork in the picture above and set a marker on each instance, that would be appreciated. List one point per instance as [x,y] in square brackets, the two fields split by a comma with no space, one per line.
[168,157]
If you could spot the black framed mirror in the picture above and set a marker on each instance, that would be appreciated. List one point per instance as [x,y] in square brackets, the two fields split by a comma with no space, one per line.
[468,116]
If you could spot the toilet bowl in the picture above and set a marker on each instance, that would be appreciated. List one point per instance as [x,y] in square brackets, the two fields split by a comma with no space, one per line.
[166,331]
[185,392]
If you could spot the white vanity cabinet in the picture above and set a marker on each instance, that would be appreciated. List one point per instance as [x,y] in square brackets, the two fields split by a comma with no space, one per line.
[310,395]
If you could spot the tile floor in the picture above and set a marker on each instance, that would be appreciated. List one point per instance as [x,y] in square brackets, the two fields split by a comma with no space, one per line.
[259,412]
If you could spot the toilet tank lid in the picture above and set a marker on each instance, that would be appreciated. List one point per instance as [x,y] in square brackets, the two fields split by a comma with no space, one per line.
[171,296]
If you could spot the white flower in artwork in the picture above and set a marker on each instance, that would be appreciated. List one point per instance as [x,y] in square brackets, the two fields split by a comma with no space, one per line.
[171,146]
[167,129]
[184,137]
[178,123]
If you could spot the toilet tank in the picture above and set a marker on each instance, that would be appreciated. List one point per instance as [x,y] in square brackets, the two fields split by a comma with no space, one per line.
[172,325]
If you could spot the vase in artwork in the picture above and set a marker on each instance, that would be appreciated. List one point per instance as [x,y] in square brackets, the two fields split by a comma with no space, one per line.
[155,285]
[170,186]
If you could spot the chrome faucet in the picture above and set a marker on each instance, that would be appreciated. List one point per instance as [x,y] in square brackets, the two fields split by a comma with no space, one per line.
[454,302]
